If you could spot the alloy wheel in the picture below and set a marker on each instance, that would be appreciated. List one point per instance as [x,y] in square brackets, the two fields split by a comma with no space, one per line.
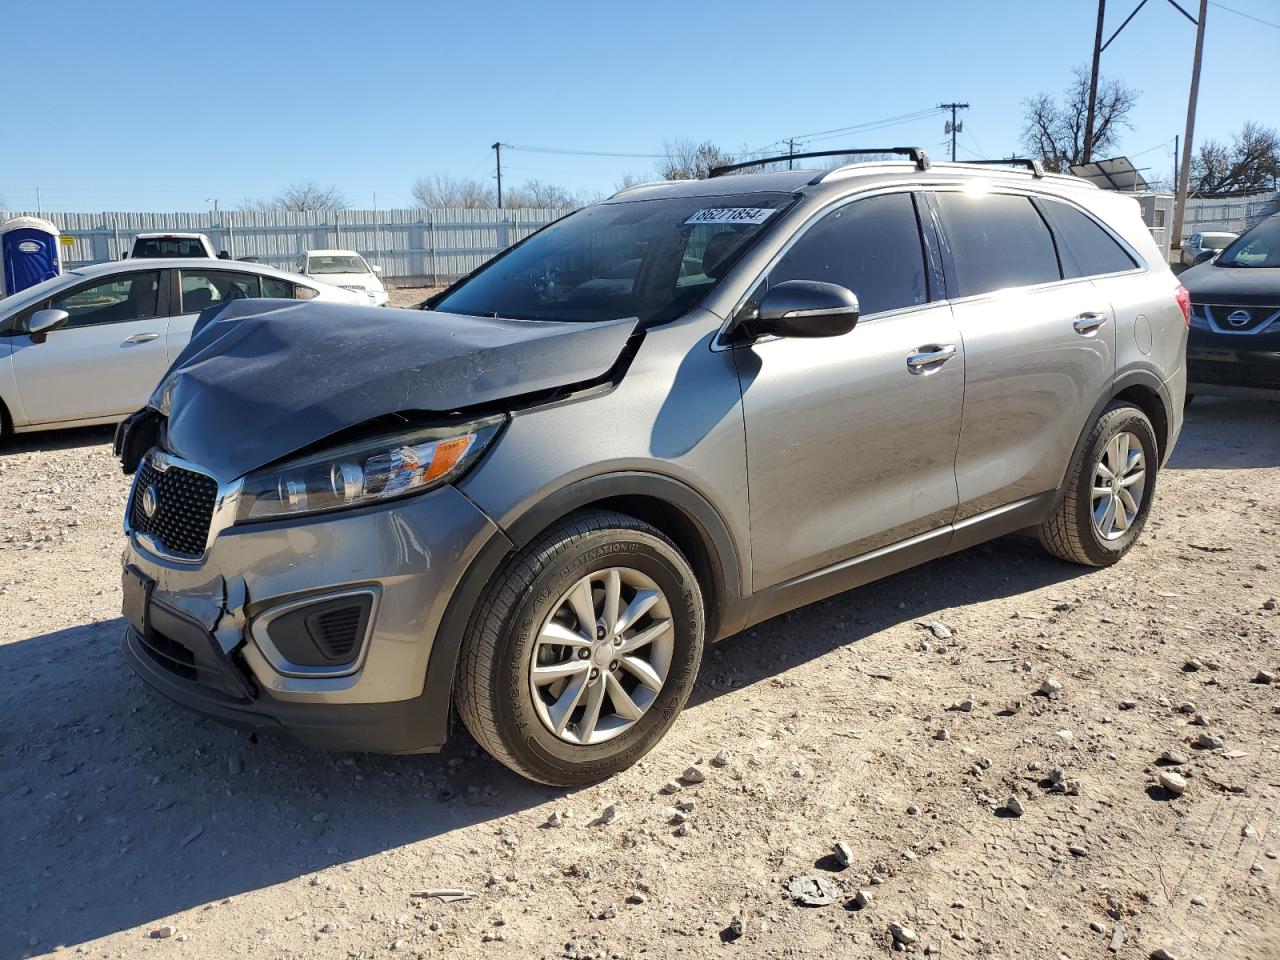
[1119,484]
[602,656]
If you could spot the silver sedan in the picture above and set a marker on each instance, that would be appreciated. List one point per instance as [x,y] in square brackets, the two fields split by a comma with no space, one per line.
[88,347]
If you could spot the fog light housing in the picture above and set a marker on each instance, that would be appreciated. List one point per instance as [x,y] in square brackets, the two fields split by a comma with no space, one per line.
[317,636]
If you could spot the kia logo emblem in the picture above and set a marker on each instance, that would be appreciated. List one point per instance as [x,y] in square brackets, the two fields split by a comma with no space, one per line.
[1238,318]
[149,500]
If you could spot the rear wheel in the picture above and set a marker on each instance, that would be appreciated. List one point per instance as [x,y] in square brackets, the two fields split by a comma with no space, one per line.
[583,650]
[1109,490]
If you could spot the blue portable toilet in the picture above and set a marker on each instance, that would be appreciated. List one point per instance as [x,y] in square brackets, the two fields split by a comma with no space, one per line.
[28,253]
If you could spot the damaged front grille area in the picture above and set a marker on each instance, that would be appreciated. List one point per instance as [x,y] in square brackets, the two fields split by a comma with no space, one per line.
[173,507]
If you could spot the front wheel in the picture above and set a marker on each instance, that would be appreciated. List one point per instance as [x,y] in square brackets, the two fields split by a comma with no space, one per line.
[1109,490]
[583,650]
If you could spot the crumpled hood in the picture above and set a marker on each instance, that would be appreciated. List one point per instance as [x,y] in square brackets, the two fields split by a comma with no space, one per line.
[261,379]
[1235,286]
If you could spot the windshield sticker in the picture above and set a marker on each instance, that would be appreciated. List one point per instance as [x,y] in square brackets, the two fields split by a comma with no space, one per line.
[751,215]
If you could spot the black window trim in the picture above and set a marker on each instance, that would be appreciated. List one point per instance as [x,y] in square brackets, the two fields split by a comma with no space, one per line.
[932,260]
[1031,195]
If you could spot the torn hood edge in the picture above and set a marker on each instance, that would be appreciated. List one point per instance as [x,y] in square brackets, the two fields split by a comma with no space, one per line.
[261,380]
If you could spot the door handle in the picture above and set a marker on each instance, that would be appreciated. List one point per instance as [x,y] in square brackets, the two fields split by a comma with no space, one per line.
[142,338]
[1088,323]
[927,359]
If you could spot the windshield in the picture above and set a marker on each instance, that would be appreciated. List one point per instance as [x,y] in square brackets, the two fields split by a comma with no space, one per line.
[1215,241]
[652,259]
[1259,247]
[327,263]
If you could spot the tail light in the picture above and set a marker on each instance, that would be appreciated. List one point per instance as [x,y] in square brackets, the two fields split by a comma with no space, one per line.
[1183,296]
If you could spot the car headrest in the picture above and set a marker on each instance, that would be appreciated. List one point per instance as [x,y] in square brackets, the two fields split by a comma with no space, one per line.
[197,299]
[716,256]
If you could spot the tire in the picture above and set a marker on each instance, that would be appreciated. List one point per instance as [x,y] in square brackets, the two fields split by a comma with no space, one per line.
[1186,402]
[1072,533]
[495,690]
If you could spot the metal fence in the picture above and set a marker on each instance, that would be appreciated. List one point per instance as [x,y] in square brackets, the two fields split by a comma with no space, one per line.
[422,246]
[1229,214]
[413,247]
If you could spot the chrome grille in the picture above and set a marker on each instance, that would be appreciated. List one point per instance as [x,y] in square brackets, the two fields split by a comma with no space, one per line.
[1224,318]
[181,506]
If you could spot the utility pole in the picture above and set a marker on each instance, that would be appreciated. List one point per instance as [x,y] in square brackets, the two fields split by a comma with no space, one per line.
[497,156]
[1184,170]
[214,201]
[953,127]
[1099,47]
[1093,83]
[791,149]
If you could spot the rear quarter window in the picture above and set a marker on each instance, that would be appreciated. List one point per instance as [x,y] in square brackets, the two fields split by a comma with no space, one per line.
[1087,249]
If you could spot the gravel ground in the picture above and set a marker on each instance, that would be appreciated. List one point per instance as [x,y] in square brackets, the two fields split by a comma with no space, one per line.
[409,296]
[132,828]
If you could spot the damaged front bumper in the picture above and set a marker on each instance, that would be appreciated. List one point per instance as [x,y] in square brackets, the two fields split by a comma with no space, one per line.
[322,626]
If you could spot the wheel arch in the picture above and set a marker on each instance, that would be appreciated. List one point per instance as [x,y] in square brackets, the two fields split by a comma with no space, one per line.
[1144,390]
[670,505]
[676,509]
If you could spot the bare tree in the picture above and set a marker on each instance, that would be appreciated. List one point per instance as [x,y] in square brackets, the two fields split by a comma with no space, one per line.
[301,198]
[626,181]
[442,190]
[1250,165]
[1054,130]
[538,194]
[689,160]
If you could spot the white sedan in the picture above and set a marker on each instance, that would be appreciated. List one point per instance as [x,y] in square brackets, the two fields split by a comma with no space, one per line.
[346,269]
[88,347]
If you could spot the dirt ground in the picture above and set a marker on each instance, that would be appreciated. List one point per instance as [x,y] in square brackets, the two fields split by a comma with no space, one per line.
[130,828]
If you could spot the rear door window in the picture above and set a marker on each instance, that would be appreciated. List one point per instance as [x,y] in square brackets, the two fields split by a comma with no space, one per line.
[204,288]
[1086,249]
[997,241]
[870,246]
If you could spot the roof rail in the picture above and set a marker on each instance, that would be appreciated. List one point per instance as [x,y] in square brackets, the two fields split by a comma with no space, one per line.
[1035,166]
[647,183]
[917,156]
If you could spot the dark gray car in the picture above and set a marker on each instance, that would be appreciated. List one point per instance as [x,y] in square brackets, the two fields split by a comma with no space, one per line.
[656,422]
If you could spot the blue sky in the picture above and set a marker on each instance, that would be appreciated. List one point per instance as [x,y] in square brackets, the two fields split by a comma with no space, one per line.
[162,106]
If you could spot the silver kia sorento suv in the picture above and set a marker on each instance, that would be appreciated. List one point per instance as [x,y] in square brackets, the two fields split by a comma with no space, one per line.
[661,419]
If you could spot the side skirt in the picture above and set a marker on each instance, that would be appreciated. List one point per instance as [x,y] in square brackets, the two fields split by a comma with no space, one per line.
[886,561]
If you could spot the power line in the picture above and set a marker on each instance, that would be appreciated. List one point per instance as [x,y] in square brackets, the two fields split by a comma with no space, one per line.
[868,124]
[1158,146]
[1247,16]
[570,152]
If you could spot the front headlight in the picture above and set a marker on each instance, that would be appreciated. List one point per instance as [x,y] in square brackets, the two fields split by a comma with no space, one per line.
[365,471]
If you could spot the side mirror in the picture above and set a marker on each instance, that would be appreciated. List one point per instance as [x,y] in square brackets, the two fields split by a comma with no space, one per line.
[1204,255]
[376,268]
[805,308]
[43,321]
